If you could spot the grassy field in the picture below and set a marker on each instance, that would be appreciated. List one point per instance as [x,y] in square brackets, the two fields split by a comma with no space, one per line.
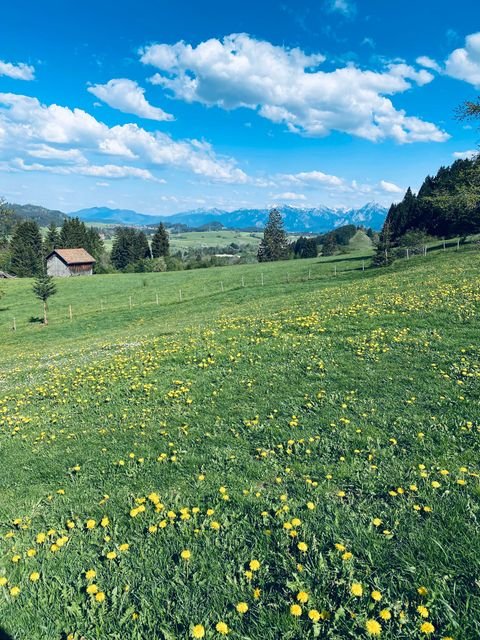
[293,459]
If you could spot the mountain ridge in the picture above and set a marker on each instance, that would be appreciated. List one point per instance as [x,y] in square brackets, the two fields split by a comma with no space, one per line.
[296,219]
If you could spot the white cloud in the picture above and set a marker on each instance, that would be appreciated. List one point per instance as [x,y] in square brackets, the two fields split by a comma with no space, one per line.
[290,195]
[20,71]
[287,86]
[346,7]
[390,187]
[464,63]
[65,135]
[127,96]
[465,155]
[313,178]
[428,63]
[98,171]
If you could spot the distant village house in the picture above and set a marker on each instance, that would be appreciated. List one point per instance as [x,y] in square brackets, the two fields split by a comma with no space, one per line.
[70,262]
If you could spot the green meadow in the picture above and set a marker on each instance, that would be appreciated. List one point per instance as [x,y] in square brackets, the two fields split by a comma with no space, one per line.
[285,450]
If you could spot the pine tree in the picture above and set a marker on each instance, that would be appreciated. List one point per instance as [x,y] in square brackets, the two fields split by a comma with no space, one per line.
[141,246]
[160,242]
[329,246]
[122,248]
[44,287]
[384,255]
[274,245]
[26,250]
[52,239]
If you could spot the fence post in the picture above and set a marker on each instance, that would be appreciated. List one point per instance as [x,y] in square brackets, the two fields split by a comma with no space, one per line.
[363,265]
[130,301]
[70,312]
[458,244]
[262,279]
[444,248]
[14,325]
[335,269]
[180,294]
[243,281]
[221,284]
[156,296]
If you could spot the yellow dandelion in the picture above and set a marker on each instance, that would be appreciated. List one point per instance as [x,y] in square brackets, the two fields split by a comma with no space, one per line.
[185,554]
[373,627]
[100,596]
[198,631]
[242,607]
[296,610]
[376,595]
[385,614]
[222,628]
[314,615]
[427,628]
[302,546]
[34,576]
[90,524]
[254,565]
[302,596]
[15,591]
[90,574]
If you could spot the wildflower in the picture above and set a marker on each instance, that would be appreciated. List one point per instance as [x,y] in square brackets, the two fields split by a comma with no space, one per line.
[376,522]
[254,565]
[373,627]
[90,574]
[100,596]
[242,607]
[185,554]
[302,596]
[222,628]
[111,555]
[296,610]
[314,615]
[41,537]
[423,611]
[356,589]
[311,506]
[198,631]
[31,553]
[34,576]
[3,581]
[422,591]
[376,595]
[303,547]
[90,524]
[257,593]
[105,521]
[92,589]
[385,614]
[427,628]
[124,546]
[15,591]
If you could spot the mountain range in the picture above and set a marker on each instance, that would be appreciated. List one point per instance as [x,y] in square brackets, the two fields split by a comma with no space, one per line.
[316,220]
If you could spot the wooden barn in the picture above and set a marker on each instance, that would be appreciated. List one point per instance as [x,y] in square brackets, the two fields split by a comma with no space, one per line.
[70,262]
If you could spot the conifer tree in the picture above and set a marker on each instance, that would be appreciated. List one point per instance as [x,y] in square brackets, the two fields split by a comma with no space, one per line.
[44,287]
[160,242]
[274,244]
[26,250]
[52,239]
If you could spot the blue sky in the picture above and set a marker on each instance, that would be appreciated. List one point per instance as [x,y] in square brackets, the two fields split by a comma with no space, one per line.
[164,107]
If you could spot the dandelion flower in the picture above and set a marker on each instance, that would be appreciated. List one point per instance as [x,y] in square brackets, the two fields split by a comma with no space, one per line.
[427,628]
[373,627]
[385,614]
[303,547]
[242,607]
[34,576]
[90,524]
[296,610]
[422,591]
[356,589]
[92,589]
[198,631]
[100,596]
[376,595]
[254,565]
[15,591]
[222,628]
[90,574]
[302,596]
[314,615]
[185,554]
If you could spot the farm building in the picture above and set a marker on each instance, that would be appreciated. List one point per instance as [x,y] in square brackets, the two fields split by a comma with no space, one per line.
[70,262]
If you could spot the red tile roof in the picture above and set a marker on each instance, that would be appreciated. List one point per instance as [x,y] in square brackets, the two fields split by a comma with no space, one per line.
[73,256]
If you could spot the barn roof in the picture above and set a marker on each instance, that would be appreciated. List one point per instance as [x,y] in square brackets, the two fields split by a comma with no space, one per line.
[73,256]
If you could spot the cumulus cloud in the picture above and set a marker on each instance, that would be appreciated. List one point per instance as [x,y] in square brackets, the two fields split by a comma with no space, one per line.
[313,178]
[465,155]
[127,96]
[288,86]
[98,171]
[428,63]
[62,135]
[390,187]
[19,71]
[290,195]
[464,63]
